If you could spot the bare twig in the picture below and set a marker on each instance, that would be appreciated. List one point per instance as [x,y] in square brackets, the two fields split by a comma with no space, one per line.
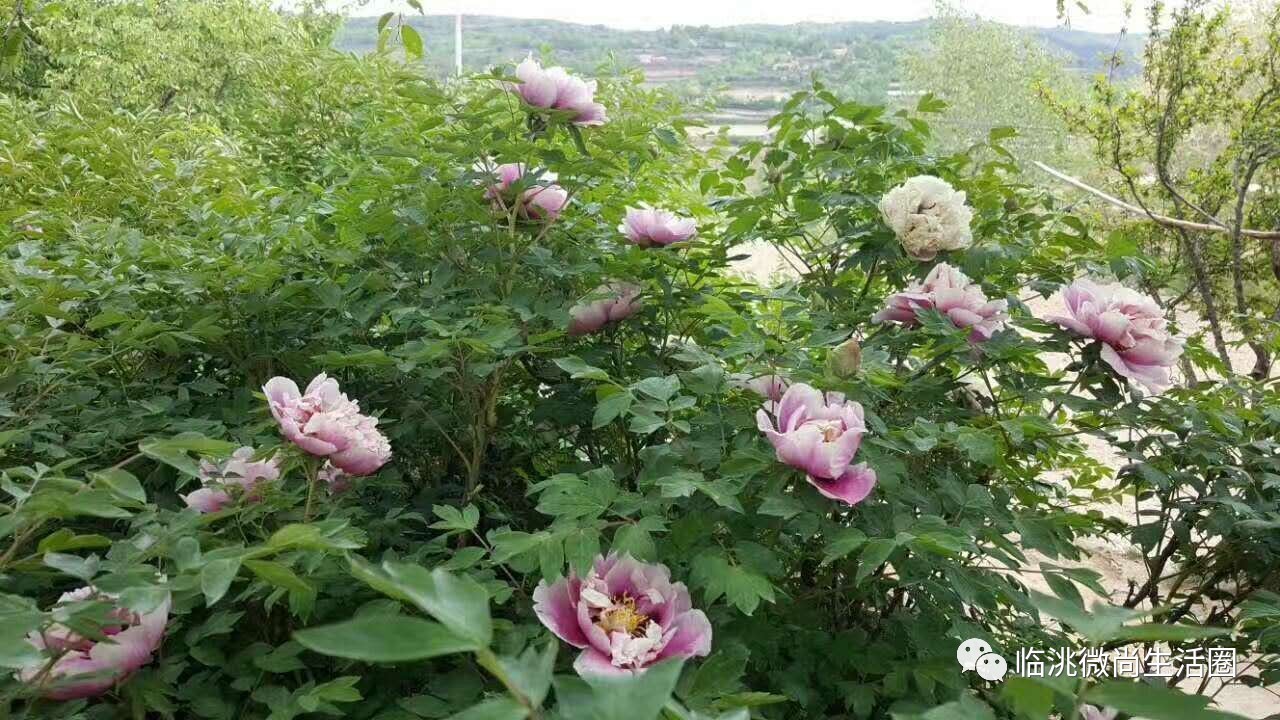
[1154,217]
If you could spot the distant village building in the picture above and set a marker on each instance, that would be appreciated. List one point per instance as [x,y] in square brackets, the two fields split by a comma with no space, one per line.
[896,90]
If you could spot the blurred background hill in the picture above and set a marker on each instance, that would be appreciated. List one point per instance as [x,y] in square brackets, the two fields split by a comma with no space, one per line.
[745,72]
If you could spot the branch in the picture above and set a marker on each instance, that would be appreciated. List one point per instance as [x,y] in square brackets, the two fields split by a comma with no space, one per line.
[1158,219]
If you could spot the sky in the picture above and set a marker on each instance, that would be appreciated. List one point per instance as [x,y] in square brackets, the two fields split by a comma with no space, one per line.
[1103,15]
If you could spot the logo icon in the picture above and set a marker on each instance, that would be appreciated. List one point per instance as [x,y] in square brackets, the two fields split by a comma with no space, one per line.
[975,655]
[969,652]
[992,667]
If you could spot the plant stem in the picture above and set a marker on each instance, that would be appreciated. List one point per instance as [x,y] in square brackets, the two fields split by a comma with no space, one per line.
[313,476]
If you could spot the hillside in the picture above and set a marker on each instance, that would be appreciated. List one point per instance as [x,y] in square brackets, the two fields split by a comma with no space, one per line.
[859,57]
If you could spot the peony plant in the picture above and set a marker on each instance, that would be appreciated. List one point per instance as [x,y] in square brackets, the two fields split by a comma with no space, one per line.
[579,523]
[928,216]
[538,202]
[324,422]
[223,482]
[87,665]
[624,615]
[650,227]
[1130,330]
[607,304]
[820,434]
[953,294]
[555,89]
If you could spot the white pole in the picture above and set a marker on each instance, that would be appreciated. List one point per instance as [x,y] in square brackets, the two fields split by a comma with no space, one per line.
[457,43]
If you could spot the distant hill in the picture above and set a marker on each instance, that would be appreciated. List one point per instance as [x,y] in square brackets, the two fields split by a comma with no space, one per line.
[748,68]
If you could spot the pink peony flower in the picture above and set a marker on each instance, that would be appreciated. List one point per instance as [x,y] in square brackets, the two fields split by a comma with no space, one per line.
[324,422]
[769,387]
[820,435]
[607,304]
[91,667]
[539,202]
[241,471]
[951,293]
[1132,330]
[648,227]
[625,615]
[554,89]
[1089,712]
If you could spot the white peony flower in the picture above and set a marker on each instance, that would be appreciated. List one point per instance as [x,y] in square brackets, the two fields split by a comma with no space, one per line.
[927,215]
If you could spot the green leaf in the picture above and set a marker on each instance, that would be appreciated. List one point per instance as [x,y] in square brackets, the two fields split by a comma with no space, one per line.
[627,697]
[740,586]
[412,41]
[874,554]
[324,535]
[175,451]
[1098,625]
[1162,632]
[530,673]
[453,519]
[1154,702]
[384,638]
[96,503]
[610,408]
[120,482]
[502,708]
[783,506]
[458,602]
[715,677]
[966,708]
[73,565]
[216,577]
[635,539]
[278,575]
[845,541]
[580,370]
[658,388]
[18,619]
[1029,699]
[64,539]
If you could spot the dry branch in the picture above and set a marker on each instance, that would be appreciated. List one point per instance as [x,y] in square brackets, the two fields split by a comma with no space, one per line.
[1159,219]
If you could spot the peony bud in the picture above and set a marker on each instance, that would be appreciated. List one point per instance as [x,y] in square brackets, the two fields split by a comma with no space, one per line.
[846,359]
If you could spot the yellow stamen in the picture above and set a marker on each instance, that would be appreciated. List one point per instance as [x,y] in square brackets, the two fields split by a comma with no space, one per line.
[623,617]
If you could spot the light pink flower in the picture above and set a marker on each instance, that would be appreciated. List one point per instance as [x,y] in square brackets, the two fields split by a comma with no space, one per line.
[648,227]
[324,422]
[625,615]
[538,202]
[1135,340]
[820,435]
[241,471]
[951,293]
[769,387]
[554,89]
[928,216]
[607,304]
[91,667]
[1089,712]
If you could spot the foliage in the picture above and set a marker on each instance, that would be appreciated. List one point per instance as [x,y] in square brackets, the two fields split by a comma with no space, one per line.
[1195,141]
[992,76]
[161,262]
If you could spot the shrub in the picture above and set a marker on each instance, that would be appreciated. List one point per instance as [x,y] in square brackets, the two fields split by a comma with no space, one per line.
[161,268]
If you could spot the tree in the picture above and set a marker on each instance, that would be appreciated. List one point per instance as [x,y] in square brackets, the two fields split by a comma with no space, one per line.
[991,76]
[1195,147]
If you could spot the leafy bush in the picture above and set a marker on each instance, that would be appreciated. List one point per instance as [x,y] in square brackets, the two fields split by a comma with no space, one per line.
[163,265]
